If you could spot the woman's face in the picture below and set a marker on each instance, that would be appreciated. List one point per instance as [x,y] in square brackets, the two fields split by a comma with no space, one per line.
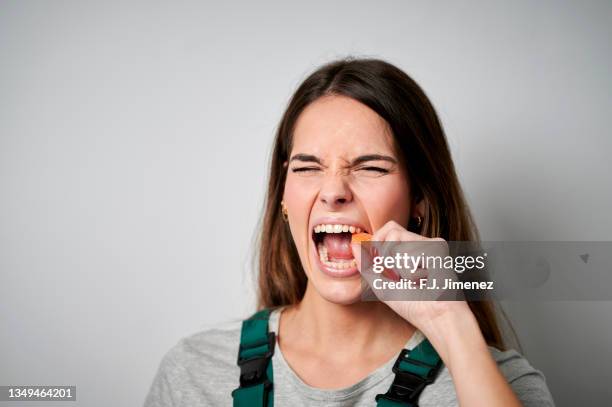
[343,176]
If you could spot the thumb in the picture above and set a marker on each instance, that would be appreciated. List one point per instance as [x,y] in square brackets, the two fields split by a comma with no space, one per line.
[357,252]
[356,241]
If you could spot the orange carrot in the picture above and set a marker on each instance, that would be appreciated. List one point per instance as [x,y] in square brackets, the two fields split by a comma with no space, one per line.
[361,237]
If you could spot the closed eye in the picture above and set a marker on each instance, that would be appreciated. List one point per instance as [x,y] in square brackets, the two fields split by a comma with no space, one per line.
[305,169]
[375,169]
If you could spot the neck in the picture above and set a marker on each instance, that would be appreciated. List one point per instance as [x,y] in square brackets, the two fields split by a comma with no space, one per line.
[360,327]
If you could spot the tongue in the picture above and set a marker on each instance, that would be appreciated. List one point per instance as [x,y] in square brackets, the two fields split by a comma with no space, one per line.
[338,245]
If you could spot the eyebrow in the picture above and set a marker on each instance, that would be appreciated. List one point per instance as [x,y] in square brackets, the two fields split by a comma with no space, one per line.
[359,160]
[373,157]
[306,158]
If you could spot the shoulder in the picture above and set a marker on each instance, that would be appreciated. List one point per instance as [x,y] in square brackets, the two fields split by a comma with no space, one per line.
[528,383]
[200,367]
[210,350]
[512,364]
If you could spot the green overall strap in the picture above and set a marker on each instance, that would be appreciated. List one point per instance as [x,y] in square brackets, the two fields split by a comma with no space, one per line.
[255,361]
[414,369]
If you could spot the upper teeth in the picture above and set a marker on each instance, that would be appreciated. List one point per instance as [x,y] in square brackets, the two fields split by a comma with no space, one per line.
[336,228]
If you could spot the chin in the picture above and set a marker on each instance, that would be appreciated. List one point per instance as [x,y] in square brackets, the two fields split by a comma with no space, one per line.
[336,286]
[343,291]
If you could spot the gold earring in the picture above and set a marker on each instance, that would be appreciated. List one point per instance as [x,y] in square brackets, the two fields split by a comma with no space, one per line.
[284,212]
[419,221]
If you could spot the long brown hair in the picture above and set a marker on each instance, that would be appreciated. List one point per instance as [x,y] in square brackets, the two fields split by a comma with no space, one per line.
[421,141]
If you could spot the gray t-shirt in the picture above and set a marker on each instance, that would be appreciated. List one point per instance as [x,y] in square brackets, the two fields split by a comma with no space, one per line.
[201,370]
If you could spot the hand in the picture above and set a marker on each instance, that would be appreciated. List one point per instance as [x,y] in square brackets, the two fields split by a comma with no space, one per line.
[423,310]
[450,326]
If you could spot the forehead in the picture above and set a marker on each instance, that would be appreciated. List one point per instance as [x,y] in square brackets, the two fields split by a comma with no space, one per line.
[341,125]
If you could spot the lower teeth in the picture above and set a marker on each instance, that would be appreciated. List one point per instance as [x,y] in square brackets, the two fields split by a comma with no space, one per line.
[341,264]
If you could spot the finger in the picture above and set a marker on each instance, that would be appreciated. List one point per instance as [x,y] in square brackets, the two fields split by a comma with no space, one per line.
[370,278]
[434,286]
[363,255]
[392,240]
[359,251]
[391,237]
[420,277]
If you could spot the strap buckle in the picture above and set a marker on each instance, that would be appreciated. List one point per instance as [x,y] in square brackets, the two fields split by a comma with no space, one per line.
[406,386]
[253,369]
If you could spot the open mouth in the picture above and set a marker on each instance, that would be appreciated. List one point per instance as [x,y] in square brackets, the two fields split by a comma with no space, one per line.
[333,245]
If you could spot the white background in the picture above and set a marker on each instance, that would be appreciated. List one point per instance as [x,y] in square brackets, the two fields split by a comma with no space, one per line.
[135,137]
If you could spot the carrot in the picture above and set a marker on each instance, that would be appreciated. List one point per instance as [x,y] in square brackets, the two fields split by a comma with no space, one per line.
[361,237]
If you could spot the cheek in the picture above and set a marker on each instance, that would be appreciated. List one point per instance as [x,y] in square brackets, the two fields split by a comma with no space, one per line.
[386,200]
[298,197]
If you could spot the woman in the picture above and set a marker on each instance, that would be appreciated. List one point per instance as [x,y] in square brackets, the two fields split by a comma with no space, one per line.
[359,149]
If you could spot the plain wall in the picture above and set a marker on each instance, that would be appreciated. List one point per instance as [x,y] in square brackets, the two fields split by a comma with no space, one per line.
[134,143]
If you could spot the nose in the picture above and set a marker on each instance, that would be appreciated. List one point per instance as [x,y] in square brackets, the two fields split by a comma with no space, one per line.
[335,193]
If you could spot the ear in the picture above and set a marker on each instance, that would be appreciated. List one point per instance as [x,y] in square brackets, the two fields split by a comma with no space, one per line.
[418,209]
[285,165]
